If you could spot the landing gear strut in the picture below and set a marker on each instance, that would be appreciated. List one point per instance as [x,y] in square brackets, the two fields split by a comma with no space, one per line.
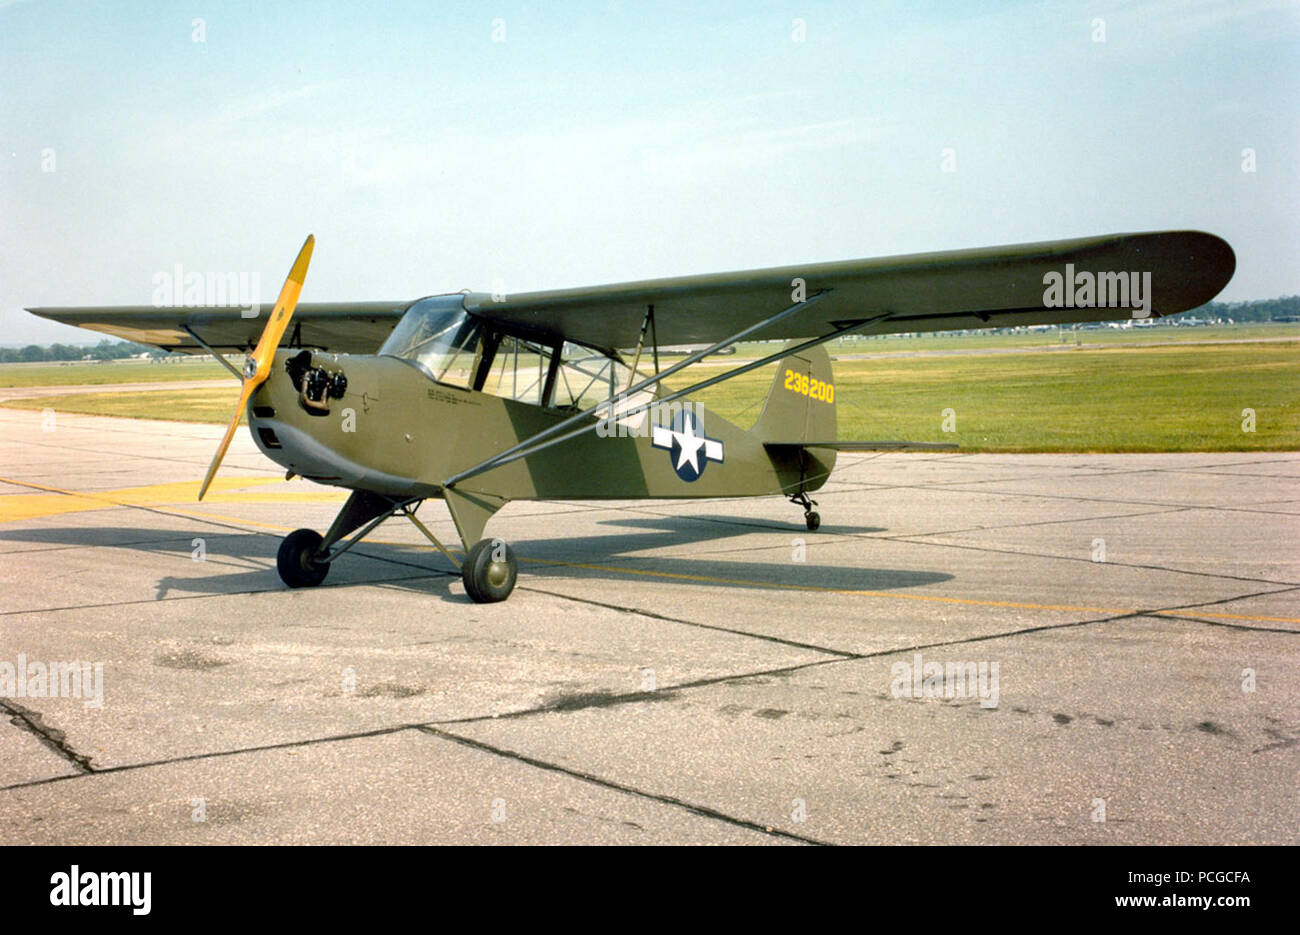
[488,571]
[810,516]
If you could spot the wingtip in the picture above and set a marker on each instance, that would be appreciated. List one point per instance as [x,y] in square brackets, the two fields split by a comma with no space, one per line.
[1216,264]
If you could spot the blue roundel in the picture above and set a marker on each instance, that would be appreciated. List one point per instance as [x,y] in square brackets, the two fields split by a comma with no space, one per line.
[689,448]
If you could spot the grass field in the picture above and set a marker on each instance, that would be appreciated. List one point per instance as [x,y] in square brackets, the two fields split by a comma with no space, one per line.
[1111,395]
[109,372]
[1099,399]
[204,405]
[1105,337]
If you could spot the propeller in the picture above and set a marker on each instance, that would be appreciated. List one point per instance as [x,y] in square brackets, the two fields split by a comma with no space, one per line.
[258,365]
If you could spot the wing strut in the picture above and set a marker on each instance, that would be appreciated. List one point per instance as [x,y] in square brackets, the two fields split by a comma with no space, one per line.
[654,338]
[508,455]
[640,341]
[207,347]
[535,444]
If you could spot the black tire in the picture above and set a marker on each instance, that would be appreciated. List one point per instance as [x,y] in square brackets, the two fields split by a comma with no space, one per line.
[489,571]
[296,559]
[813,519]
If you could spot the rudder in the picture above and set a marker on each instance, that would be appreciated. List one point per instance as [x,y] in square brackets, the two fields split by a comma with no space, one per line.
[800,406]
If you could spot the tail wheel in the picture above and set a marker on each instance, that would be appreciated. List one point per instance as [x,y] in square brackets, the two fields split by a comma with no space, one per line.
[489,571]
[296,561]
[811,517]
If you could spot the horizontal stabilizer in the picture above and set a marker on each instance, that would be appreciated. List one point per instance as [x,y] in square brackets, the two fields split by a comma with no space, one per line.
[866,446]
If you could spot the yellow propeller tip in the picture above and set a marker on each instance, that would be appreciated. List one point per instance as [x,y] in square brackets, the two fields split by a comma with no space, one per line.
[299,271]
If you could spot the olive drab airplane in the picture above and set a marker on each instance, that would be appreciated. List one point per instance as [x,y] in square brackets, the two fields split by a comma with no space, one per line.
[480,399]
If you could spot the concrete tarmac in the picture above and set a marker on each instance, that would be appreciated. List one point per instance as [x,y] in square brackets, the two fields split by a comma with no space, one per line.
[1117,640]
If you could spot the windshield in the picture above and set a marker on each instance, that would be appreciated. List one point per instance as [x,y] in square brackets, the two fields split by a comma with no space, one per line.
[439,337]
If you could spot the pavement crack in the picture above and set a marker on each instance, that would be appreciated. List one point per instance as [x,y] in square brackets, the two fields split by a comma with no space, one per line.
[212,755]
[1277,745]
[701,810]
[1046,522]
[1167,615]
[1230,600]
[1172,613]
[915,539]
[611,700]
[34,722]
[640,612]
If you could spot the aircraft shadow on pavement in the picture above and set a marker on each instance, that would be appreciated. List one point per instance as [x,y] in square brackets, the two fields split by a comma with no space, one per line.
[772,564]
[723,525]
[238,562]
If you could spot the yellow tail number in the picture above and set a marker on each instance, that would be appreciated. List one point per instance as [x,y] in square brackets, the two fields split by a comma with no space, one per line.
[805,385]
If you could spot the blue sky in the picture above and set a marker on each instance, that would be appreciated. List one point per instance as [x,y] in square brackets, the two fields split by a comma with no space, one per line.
[606,142]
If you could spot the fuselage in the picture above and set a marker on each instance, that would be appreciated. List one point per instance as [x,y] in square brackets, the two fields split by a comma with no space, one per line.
[393,430]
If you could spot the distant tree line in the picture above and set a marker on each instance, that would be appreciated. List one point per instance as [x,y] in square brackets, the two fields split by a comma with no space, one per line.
[1288,306]
[104,350]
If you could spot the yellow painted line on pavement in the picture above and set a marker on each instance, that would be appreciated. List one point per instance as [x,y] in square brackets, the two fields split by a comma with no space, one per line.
[52,501]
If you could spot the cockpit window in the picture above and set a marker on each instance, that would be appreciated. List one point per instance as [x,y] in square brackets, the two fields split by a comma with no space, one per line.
[440,337]
[586,377]
[453,347]
[519,370]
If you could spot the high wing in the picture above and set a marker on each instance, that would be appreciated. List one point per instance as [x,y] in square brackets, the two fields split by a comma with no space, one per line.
[340,327]
[983,288]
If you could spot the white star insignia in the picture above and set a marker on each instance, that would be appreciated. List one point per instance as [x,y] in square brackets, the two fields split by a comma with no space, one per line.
[691,445]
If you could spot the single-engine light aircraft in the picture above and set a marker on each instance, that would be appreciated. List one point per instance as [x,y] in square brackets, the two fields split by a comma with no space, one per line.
[481,399]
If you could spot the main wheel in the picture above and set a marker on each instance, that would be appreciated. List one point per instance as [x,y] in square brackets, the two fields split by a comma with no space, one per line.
[489,571]
[813,519]
[296,560]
